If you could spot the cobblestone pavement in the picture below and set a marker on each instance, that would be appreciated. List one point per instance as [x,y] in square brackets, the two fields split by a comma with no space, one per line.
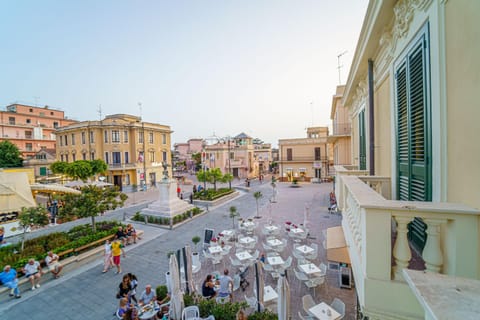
[84,292]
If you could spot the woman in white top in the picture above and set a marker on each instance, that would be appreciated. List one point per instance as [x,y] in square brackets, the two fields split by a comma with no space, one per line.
[107,256]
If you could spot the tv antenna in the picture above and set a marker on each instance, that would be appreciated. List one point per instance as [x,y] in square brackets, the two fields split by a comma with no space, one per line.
[36,100]
[140,108]
[99,111]
[339,66]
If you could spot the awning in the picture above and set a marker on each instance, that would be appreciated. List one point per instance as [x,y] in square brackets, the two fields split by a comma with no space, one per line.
[336,246]
[50,188]
[15,192]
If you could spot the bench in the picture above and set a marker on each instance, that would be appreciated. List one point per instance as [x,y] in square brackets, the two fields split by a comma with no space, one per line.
[77,257]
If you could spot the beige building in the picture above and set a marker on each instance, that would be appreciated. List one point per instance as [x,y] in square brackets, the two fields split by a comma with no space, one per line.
[242,156]
[339,141]
[133,150]
[183,152]
[31,128]
[410,199]
[304,159]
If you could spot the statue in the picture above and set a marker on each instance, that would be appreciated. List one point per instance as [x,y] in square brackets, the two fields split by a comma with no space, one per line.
[165,171]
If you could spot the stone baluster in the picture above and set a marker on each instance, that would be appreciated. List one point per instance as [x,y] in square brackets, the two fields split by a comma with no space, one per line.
[432,253]
[401,249]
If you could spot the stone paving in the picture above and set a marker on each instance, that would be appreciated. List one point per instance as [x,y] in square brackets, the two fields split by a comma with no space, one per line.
[86,293]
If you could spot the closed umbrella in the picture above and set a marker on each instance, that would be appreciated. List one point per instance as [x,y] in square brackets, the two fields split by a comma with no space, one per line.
[306,215]
[189,264]
[260,283]
[283,306]
[176,296]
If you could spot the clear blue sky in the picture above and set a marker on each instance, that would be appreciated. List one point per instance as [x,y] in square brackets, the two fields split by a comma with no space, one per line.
[265,67]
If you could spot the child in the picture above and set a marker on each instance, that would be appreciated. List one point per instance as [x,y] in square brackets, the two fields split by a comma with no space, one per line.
[133,285]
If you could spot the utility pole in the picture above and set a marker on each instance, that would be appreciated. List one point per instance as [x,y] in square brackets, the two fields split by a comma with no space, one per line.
[229,166]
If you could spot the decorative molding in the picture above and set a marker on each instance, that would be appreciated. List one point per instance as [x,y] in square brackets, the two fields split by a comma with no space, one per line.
[403,12]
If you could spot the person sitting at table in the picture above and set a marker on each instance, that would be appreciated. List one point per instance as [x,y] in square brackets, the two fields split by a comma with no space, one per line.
[32,271]
[148,295]
[9,279]
[164,305]
[225,282]
[131,314]
[123,306]
[208,288]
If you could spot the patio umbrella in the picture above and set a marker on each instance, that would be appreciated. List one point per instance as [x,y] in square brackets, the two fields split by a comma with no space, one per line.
[75,183]
[15,192]
[52,188]
[176,296]
[101,184]
[189,273]
[306,215]
[283,306]
[260,283]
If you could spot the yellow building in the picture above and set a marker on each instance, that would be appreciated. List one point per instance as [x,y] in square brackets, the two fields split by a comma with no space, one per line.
[411,199]
[133,150]
[304,159]
[339,141]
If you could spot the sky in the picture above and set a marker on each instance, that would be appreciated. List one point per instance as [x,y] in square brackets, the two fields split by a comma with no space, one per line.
[203,67]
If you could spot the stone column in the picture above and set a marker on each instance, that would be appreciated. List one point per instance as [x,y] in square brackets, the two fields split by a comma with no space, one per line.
[401,249]
[432,253]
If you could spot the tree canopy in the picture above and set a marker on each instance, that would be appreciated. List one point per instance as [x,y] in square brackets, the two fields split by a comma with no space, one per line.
[32,217]
[80,169]
[213,176]
[91,202]
[10,156]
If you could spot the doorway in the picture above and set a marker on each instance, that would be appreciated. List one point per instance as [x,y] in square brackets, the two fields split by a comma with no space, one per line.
[117,180]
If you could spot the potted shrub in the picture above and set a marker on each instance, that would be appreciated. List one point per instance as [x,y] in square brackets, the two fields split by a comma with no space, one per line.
[195,255]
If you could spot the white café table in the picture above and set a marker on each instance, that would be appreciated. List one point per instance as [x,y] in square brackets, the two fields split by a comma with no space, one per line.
[304,249]
[243,255]
[274,242]
[275,261]
[297,230]
[215,249]
[271,228]
[309,268]
[249,224]
[269,294]
[246,240]
[227,233]
[321,311]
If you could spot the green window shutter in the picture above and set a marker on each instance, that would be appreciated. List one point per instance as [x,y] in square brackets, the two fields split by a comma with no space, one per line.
[413,125]
[362,152]
[43,171]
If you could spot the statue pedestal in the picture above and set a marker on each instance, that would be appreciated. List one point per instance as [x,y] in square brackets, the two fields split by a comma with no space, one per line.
[168,204]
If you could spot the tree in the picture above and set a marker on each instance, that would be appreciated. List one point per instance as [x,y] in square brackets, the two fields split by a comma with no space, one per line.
[80,169]
[257,195]
[197,157]
[228,177]
[92,202]
[32,217]
[202,176]
[233,214]
[10,155]
[213,176]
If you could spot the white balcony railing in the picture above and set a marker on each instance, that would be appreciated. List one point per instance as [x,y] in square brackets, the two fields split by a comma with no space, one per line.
[376,234]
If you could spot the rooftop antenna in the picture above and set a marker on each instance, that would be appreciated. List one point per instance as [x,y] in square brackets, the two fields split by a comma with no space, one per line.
[311,108]
[99,111]
[339,66]
[36,101]
[140,108]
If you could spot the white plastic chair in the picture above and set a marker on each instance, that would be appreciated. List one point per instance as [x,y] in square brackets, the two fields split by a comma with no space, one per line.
[307,302]
[305,317]
[236,282]
[190,312]
[339,306]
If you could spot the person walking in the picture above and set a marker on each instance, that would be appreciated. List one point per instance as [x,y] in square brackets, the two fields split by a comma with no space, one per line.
[107,256]
[117,251]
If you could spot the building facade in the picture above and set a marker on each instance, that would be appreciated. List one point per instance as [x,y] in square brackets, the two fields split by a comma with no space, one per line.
[31,128]
[304,159]
[133,150]
[242,156]
[183,153]
[339,139]
[410,199]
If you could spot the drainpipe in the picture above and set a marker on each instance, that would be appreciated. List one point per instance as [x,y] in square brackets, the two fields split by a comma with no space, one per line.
[371,121]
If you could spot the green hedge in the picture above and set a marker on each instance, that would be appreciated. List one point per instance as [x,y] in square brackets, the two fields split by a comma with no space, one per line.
[57,242]
[211,194]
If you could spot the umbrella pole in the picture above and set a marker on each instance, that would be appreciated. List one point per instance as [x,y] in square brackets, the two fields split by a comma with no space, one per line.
[184,256]
[257,282]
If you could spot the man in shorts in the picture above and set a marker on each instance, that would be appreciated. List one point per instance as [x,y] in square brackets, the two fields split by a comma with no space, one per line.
[9,279]
[117,251]
[32,271]
[53,265]
[225,282]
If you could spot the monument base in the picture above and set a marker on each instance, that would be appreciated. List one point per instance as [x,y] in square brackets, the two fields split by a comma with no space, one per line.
[168,205]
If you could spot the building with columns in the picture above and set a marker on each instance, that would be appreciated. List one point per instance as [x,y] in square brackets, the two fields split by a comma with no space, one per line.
[409,199]
[133,149]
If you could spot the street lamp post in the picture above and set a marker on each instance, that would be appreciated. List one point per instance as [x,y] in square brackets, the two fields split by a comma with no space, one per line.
[229,164]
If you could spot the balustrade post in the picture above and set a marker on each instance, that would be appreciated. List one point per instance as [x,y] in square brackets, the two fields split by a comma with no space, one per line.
[432,253]
[401,249]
